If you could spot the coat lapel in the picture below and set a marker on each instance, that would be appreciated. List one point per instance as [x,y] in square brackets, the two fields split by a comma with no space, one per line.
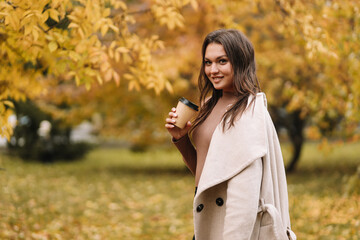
[233,150]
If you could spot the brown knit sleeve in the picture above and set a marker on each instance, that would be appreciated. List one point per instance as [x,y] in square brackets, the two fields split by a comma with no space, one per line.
[188,152]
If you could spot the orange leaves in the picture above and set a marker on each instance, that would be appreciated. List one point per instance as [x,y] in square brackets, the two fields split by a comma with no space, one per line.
[168,16]
[194,4]
[6,110]
[296,47]
[90,17]
[52,46]
[82,45]
[313,133]
[167,12]
[12,18]
[54,14]
[86,41]
[308,60]
[118,4]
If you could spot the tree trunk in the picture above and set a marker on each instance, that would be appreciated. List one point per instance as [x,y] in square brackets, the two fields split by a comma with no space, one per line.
[295,126]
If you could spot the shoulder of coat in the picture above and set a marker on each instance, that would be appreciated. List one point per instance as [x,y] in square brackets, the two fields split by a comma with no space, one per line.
[263,95]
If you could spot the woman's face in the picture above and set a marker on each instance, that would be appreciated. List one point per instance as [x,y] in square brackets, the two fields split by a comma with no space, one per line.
[218,68]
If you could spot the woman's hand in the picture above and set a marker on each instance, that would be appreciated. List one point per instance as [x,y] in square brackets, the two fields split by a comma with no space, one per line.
[175,131]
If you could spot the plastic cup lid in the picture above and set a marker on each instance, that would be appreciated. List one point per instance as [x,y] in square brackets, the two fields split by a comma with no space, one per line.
[189,104]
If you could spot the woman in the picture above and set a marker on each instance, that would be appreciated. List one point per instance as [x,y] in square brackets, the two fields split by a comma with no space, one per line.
[237,161]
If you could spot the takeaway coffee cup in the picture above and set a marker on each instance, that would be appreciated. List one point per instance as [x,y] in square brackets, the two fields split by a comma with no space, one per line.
[185,110]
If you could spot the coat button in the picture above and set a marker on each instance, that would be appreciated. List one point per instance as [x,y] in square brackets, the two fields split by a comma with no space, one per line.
[219,202]
[200,207]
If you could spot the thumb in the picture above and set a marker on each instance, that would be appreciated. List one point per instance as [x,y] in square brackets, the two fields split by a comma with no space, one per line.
[188,125]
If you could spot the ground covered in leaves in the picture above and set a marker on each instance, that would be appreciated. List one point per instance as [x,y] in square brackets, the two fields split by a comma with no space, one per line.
[117,194]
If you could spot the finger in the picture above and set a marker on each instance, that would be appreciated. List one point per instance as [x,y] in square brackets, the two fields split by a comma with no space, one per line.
[170,120]
[173,115]
[173,109]
[170,126]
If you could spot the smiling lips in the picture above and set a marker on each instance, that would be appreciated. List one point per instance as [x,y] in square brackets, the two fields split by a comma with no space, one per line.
[216,79]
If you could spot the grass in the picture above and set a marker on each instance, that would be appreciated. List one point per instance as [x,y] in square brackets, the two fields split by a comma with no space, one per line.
[319,205]
[117,194]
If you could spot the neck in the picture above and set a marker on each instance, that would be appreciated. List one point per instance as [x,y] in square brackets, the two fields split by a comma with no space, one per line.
[228,95]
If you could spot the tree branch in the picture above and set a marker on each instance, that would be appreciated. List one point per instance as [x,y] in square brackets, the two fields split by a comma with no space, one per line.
[139,12]
[286,14]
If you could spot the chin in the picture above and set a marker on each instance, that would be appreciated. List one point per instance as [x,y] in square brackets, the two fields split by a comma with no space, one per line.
[218,87]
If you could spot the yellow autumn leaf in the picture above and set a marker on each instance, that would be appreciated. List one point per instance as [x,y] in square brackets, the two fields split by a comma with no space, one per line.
[134,85]
[169,87]
[117,56]
[108,75]
[90,72]
[52,46]
[8,103]
[104,66]
[116,77]
[99,79]
[35,33]
[54,14]
[122,50]
[77,80]
[74,56]
[120,4]
[128,76]
[87,86]
[114,28]
[81,47]
[106,12]
[73,25]
[104,29]
[111,53]
[194,4]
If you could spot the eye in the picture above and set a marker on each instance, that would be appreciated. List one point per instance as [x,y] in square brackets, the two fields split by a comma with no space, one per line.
[207,62]
[223,61]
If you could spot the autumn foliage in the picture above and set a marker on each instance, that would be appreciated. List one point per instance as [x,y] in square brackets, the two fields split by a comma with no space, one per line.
[48,43]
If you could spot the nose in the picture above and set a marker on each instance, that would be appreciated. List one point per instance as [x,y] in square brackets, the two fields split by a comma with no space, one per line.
[214,69]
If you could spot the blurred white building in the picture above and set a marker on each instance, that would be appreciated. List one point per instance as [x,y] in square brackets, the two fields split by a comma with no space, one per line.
[83,133]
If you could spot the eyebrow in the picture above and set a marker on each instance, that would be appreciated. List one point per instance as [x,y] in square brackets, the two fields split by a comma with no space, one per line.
[218,57]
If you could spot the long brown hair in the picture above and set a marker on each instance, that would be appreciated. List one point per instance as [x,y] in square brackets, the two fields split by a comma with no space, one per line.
[240,52]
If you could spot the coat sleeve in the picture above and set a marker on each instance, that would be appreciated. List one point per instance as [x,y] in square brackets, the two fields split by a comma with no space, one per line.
[243,192]
[188,152]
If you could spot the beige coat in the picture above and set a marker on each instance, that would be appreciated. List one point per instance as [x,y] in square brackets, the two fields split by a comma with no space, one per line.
[244,164]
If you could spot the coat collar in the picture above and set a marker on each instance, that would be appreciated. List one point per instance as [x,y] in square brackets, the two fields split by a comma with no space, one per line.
[233,150]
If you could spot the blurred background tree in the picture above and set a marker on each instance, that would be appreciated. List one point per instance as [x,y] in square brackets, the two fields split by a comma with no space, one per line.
[38,136]
[46,46]
[307,54]
[50,42]
[308,58]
